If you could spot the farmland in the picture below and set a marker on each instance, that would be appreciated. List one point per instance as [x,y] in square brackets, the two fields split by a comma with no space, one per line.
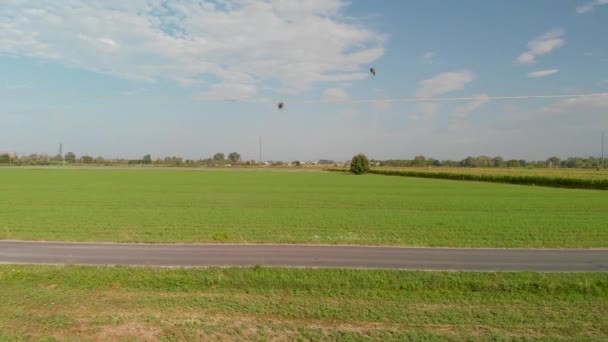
[160,205]
[557,178]
[542,172]
[50,302]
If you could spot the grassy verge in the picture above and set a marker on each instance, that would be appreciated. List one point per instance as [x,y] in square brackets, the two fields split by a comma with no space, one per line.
[86,303]
[293,207]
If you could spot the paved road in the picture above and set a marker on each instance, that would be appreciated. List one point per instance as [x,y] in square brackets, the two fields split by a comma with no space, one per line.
[547,260]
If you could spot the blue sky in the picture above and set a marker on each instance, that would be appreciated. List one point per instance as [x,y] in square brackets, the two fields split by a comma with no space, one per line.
[123,79]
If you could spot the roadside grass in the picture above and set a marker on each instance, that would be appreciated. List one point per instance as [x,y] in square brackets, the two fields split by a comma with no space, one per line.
[293,207]
[121,303]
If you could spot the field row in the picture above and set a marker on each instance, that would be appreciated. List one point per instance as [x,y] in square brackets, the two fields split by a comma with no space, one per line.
[547,172]
[580,179]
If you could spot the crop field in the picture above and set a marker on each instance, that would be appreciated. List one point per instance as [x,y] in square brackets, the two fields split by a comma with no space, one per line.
[293,207]
[557,178]
[546,172]
[47,303]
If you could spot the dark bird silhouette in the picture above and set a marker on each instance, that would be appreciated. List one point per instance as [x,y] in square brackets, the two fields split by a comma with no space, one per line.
[373,71]
[280,105]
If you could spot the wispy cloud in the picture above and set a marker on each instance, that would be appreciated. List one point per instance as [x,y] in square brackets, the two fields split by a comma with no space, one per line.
[542,73]
[17,86]
[590,6]
[444,83]
[541,45]
[382,107]
[428,57]
[439,85]
[133,92]
[473,105]
[334,94]
[108,42]
[290,45]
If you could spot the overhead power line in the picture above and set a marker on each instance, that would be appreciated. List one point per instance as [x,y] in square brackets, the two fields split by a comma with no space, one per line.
[270,100]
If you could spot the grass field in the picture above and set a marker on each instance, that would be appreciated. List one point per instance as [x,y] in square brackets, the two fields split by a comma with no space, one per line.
[282,206]
[86,303]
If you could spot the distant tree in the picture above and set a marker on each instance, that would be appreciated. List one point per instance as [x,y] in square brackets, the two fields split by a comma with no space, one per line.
[234,157]
[219,157]
[450,163]
[419,161]
[87,160]
[498,162]
[513,163]
[483,161]
[434,162]
[468,162]
[100,160]
[553,162]
[359,164]
[70,157]
[147,159]
[5,159]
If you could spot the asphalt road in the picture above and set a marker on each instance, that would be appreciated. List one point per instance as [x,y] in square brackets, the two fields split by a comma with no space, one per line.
[461,259]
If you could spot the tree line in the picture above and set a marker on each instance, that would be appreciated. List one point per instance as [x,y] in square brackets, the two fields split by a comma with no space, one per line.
[234,158]
[71,159]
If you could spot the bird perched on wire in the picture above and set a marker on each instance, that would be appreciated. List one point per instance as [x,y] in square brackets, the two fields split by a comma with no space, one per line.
[280,105]
[373,71]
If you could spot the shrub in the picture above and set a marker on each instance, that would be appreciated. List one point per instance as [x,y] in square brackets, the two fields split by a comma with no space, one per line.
[359,164]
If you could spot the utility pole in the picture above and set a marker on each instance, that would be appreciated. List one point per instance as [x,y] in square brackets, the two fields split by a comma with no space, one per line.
[602,150]
[61,153]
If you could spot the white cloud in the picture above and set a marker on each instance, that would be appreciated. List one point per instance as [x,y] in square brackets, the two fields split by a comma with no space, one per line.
[108,42]
[444,83]
[542,73]
[579,105]
[584,108]
[134,92]
[439,85]
[541,45]
[293,44]
[382,107]
[428,108]
[481,99]
[428,57]
[334,95]
[348,113]
[590,6]
[229,91]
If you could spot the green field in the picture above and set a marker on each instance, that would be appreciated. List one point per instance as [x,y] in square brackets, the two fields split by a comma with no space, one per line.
[118,303]
[282,206]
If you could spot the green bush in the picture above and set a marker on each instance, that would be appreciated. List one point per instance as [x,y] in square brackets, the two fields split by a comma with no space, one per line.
[359,164]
